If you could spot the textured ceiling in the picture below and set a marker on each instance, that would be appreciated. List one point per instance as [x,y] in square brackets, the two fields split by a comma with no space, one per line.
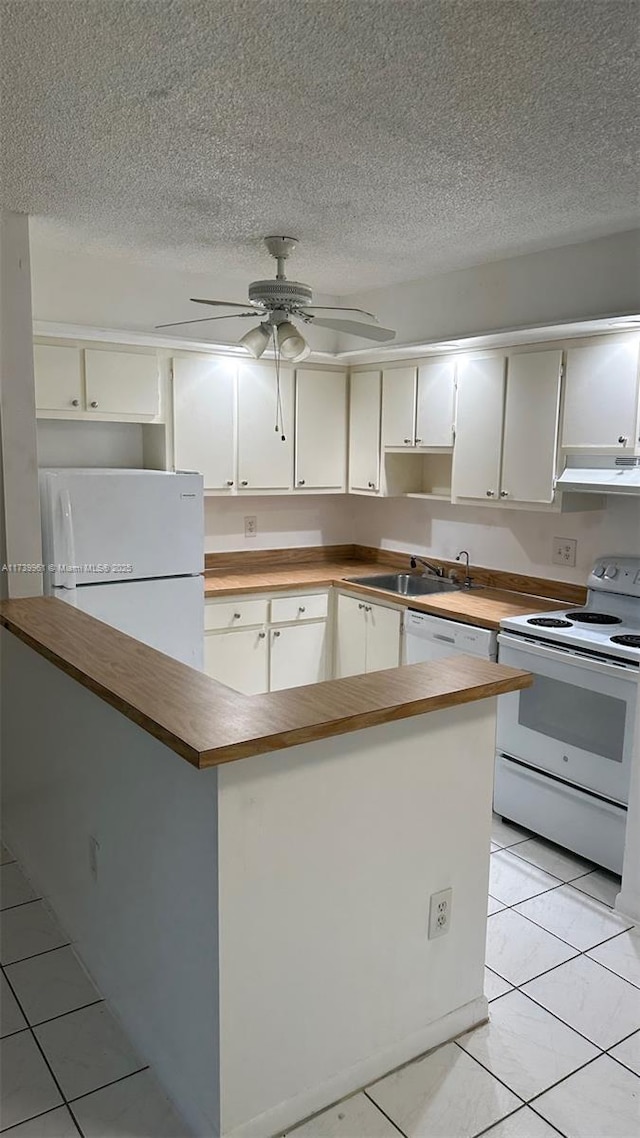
[395,138]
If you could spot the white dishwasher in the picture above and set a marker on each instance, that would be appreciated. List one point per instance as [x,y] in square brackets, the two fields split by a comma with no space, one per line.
[434,638]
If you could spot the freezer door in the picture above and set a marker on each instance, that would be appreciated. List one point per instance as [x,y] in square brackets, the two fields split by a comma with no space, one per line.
[119,525]
[166,614]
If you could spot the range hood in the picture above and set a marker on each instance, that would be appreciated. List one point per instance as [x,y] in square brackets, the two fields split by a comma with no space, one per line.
[602,476]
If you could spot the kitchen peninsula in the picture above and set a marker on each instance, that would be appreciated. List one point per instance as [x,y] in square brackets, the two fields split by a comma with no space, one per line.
[279,904]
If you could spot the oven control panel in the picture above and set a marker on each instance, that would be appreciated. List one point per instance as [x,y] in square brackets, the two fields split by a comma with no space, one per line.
[615,574]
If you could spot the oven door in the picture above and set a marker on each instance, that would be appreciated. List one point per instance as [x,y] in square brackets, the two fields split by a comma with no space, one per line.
[576,721]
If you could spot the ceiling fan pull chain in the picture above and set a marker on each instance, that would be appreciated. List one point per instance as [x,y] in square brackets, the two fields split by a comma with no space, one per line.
[279,414]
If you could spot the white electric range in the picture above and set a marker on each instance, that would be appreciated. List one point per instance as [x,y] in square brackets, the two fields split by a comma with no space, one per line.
[565,745]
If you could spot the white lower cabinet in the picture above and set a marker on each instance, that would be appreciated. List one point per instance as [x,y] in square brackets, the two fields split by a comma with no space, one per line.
[238,659]
[298,655]
[287,647]
[367,637]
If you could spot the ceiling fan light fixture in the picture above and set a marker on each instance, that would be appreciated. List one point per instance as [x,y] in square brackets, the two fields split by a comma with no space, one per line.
[291,342]
[256,340]
[304,354]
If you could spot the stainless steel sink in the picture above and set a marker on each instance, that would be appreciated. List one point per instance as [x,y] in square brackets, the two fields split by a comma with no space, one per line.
[406,584]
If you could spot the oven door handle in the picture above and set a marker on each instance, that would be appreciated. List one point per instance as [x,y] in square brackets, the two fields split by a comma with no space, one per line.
[628,672]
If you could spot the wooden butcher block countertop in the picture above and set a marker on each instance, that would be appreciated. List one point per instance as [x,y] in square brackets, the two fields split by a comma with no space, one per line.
[484,607]
[208,723]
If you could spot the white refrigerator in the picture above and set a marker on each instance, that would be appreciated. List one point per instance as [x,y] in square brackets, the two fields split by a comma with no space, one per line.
[127,547]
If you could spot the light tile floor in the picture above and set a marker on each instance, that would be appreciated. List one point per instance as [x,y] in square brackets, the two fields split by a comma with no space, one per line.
[560,1054]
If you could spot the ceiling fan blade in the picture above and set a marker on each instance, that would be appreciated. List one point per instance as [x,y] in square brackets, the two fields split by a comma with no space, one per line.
[311,308]
[206,319]
[354,328]
[218,303]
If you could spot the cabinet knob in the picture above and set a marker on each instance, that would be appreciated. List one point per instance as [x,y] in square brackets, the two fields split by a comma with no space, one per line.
[504,493]
[301,608]
[367,608]
[236,616]
[362,606]
[371,485]
[244,482]
[261,635]
[409,441]
[94,403]
[491,493]
[277,632]
[75,402]
[301,482]
[229,481]
[418,441]
[623,439]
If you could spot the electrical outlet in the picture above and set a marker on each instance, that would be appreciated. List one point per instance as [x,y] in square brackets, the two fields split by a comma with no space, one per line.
[94,846]
[440,913]
[251,526]
[563,551]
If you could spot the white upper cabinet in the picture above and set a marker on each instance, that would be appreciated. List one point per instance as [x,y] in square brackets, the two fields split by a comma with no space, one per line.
[476,456]
[364,431]
[601,397]
[265,461]
[531,426]
[58,376]
[506,443]
[435,404]
[399,407]
[122,383]
[321,430]
[204,414]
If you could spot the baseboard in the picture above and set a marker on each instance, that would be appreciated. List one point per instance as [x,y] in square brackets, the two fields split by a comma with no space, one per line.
[627,904]
[311,1101]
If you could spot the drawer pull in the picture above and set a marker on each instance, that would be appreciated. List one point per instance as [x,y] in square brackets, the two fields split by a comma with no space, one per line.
[94,403]
[261,635]
[75,402]
[301,608]
[236,616]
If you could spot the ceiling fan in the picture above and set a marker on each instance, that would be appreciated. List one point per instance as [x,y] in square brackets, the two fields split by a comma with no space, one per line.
[279,301]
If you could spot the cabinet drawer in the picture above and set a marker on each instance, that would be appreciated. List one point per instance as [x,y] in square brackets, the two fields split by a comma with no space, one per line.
[312,607]
[234,614]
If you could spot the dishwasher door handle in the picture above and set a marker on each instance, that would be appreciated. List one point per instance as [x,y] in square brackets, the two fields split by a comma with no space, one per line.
[447,639]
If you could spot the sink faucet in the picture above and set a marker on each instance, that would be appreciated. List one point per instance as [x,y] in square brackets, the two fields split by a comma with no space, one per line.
[464,553]
[435,569]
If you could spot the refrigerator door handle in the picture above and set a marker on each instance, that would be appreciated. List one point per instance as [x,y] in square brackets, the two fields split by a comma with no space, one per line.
[64,574]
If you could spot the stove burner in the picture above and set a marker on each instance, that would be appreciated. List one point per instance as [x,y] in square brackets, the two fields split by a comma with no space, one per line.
[586,617]
[630,640]
[549,622]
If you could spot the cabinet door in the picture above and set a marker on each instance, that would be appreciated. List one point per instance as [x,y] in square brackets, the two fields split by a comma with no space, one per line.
[476,455]
[204,400]
[383,637]
[298,655]
[435,404]
[399,407]
[531,426]
[122,383]
[238,659]
[321,430]
[351,630]
[601,395]
[265,462]
[364,431]
[58,376]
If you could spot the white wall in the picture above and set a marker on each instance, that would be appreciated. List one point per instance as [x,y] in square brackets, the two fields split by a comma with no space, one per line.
[593,279]
[283,522]
[102,292]
[512,540]
[147,927]
[20,501]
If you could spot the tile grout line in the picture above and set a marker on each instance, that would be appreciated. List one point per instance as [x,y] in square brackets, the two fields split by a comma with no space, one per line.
[35,1117]
[6,908]
[44,1057]
[112,1082]
[43,952]
[388,1117]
